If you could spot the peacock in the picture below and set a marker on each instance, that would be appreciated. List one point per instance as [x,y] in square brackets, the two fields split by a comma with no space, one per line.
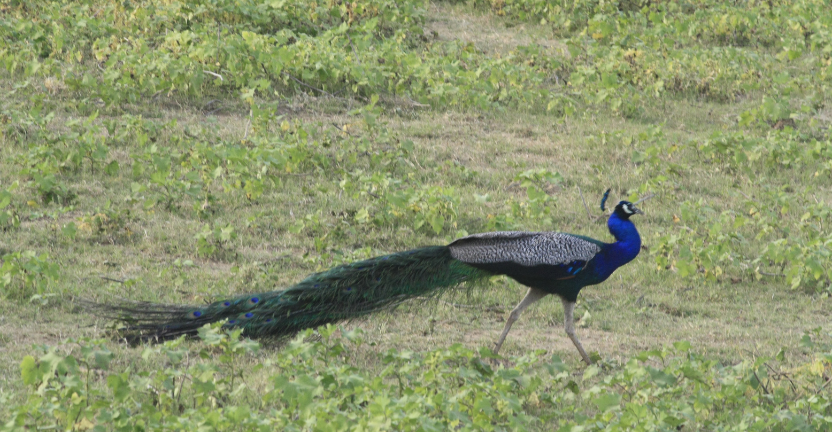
[546,262]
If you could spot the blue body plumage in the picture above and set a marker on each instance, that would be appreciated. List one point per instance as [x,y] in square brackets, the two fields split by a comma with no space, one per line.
[624,250]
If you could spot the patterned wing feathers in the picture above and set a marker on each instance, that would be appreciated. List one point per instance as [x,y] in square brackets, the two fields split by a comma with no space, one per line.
[524,248]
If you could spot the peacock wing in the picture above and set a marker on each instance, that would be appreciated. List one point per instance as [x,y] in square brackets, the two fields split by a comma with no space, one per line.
[524,248]
[535,259]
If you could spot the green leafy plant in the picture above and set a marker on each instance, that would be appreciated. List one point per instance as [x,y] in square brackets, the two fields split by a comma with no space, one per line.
[538,184]
[52,189]
[431,206]
[25,273]
[109,223]
[314,383]
[211,241]
[8,211]
[426,206]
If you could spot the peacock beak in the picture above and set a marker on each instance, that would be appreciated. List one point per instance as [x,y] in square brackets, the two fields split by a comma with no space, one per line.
[635,209]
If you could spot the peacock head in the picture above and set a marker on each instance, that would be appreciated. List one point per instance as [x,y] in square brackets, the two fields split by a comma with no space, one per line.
[625,209]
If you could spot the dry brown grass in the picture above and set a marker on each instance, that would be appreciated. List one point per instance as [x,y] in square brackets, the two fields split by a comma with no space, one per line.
[486,31]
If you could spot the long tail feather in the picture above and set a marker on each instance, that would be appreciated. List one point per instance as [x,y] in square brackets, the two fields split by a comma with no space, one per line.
[341,293]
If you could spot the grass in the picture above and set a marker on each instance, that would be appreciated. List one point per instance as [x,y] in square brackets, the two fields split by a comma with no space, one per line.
[639,308]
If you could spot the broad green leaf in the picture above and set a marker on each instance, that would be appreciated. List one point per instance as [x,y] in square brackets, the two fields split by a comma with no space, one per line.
[29,371]
[683,346]
[607,401]
[661,378]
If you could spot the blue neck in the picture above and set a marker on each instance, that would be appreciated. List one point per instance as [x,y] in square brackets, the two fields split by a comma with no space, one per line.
[625,248]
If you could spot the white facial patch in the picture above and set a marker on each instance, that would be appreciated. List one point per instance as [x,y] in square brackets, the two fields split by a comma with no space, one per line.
[626,209]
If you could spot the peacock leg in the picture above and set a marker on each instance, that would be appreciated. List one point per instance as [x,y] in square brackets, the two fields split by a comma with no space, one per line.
[532,296]
[569,323]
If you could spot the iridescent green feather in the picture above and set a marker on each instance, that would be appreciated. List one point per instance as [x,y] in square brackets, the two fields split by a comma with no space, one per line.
[341,293]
